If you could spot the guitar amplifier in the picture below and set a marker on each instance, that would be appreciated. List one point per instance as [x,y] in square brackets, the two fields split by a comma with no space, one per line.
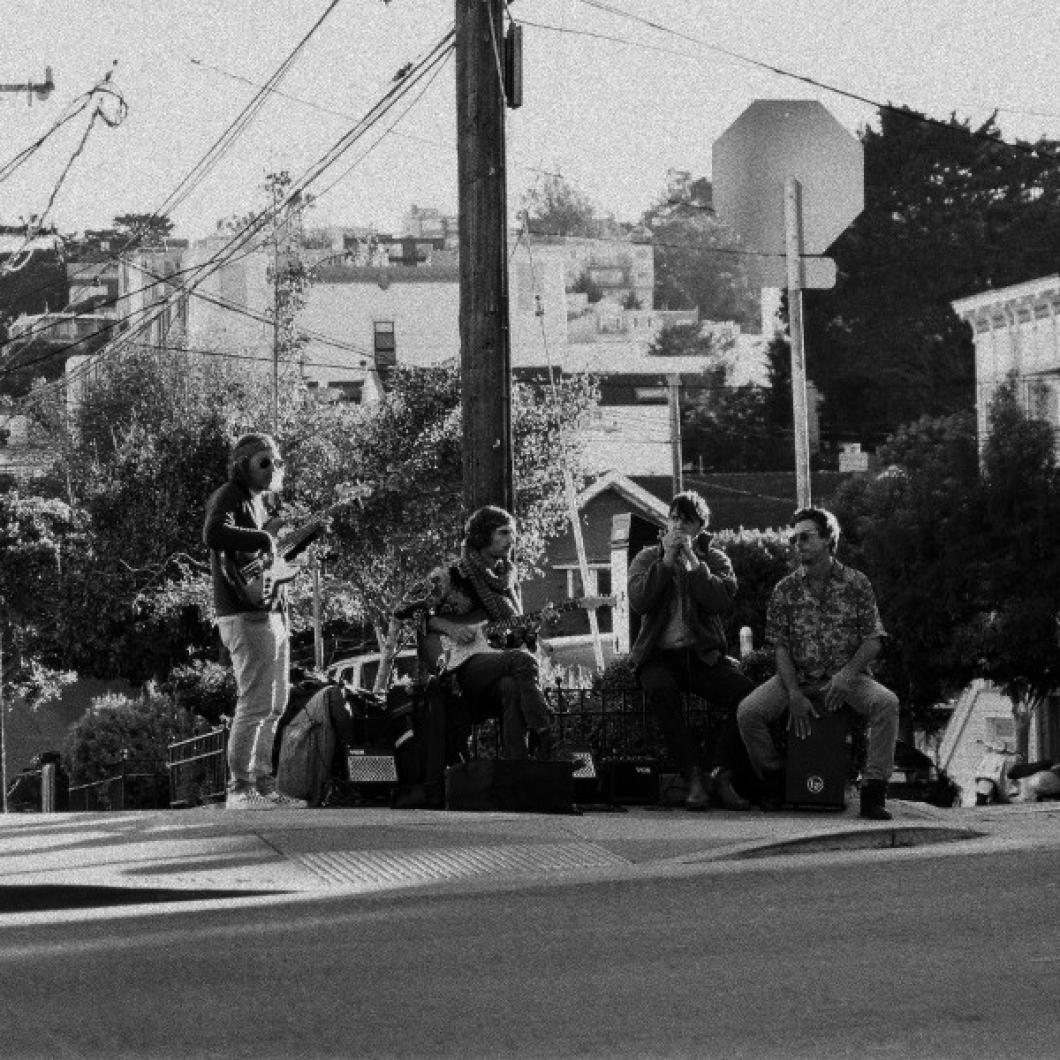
[522,786]
[630,781]
[819,765]
[370,766]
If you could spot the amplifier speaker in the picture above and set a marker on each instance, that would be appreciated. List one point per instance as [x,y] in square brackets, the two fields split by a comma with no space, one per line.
[630,781]
[371,767]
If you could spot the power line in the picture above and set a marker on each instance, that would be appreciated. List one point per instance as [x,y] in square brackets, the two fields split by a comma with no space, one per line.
[239,124]
[256,223]
[779,71]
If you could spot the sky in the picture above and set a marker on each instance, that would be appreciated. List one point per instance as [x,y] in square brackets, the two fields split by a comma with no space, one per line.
[610,102]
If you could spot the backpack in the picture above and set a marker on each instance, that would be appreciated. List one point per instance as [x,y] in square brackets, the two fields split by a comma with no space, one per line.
[307,750]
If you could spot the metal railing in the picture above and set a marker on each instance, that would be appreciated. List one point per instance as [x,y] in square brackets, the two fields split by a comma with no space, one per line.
[198,768]
[134,785]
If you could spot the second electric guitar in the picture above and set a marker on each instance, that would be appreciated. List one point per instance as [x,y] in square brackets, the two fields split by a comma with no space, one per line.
[450,653]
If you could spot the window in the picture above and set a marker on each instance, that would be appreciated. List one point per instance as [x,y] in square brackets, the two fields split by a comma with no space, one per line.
[385,344]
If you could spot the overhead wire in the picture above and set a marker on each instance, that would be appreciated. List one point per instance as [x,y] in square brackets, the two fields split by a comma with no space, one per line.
[825,86]
[257,222]
[224,142]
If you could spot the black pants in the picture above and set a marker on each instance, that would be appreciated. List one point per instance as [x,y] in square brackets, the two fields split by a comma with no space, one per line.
[666,675]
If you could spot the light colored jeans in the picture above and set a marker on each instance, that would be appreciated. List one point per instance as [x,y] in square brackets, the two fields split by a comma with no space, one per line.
[867,697]
[261,658]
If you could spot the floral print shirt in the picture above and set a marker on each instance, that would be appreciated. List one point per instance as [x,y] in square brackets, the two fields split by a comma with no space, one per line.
[822,633]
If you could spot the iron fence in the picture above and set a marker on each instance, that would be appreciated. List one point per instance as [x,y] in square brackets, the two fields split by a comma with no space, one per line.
[134,785]
[198,768]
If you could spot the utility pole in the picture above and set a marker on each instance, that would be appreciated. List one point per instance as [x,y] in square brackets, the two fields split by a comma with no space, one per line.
[485,348]
[673,390]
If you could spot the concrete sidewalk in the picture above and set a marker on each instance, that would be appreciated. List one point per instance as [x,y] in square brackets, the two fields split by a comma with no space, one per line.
[362,850]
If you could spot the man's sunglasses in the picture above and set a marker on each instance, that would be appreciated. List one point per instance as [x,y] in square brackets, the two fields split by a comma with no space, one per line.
[268,462]
[802,536]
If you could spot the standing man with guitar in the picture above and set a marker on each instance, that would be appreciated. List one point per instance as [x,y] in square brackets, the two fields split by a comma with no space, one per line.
[453,606]
[253,627]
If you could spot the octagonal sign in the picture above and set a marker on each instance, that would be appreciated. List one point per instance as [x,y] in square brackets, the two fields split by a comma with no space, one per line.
[772,140]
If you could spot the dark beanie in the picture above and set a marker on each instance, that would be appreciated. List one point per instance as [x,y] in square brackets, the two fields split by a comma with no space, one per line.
[248,445]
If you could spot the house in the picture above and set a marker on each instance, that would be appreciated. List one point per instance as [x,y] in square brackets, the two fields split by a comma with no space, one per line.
[1015,331]
[981,718]
[611,496]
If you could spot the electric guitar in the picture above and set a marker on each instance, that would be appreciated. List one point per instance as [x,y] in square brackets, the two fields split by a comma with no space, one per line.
[489,635]
[257,577]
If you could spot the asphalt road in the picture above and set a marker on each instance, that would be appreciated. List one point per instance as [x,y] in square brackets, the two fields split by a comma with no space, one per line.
[951,956]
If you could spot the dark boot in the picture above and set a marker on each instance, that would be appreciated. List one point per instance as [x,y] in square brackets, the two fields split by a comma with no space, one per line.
[873,800]
[723,793]
[549,749]
[697,798]
[772,791]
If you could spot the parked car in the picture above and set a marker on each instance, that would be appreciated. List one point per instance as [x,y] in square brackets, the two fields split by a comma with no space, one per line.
[359,671]
[917,778]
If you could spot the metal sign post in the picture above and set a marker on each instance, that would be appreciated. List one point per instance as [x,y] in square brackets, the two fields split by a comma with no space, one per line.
[799,404]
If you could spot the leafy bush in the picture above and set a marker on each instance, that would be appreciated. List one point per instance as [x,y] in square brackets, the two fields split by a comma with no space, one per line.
[115,724]
[205,688]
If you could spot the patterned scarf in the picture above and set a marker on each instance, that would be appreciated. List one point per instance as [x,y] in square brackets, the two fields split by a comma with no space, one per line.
[494,586]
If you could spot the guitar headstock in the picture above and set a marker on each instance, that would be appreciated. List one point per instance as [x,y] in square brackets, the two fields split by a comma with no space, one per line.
[353,492]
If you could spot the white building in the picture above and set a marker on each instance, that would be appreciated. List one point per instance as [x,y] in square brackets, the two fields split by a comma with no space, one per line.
[1015,330]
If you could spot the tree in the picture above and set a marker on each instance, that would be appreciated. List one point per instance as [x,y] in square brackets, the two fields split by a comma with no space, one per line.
[555,207]
[143,229]
[33,535]
[1018,630]
[730,429]
[138,728]
[949,210]
[697,264]
[139,453]
[408,449]
[915,530]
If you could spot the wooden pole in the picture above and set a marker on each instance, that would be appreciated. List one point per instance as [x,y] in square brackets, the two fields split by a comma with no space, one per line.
[485,351]
[673,385]
[793,241]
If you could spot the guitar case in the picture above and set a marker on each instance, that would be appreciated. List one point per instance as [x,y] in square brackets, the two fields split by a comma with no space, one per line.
[511,785]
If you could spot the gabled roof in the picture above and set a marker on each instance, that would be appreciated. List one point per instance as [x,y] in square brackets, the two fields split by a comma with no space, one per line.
[639,497]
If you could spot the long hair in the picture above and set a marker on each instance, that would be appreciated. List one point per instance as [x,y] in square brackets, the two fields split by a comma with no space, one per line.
[481,523]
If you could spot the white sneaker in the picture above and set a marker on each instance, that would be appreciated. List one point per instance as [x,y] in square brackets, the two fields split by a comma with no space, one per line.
[266,788]
[248,799]
[284,802]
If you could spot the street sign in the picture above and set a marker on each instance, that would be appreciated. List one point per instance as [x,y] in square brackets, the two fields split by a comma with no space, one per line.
[775,140]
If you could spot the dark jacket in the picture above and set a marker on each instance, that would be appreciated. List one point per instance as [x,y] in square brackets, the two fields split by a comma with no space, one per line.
[231,527]
[706,595]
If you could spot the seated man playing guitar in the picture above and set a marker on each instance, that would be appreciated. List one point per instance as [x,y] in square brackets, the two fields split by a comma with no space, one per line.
[455,605]
[253,627]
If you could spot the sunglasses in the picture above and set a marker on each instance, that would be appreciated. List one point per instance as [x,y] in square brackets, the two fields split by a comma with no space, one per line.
[268,462]
[802,536]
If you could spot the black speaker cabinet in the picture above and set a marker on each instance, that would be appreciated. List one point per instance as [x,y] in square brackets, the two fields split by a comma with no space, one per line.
[513,785]
[630,781]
